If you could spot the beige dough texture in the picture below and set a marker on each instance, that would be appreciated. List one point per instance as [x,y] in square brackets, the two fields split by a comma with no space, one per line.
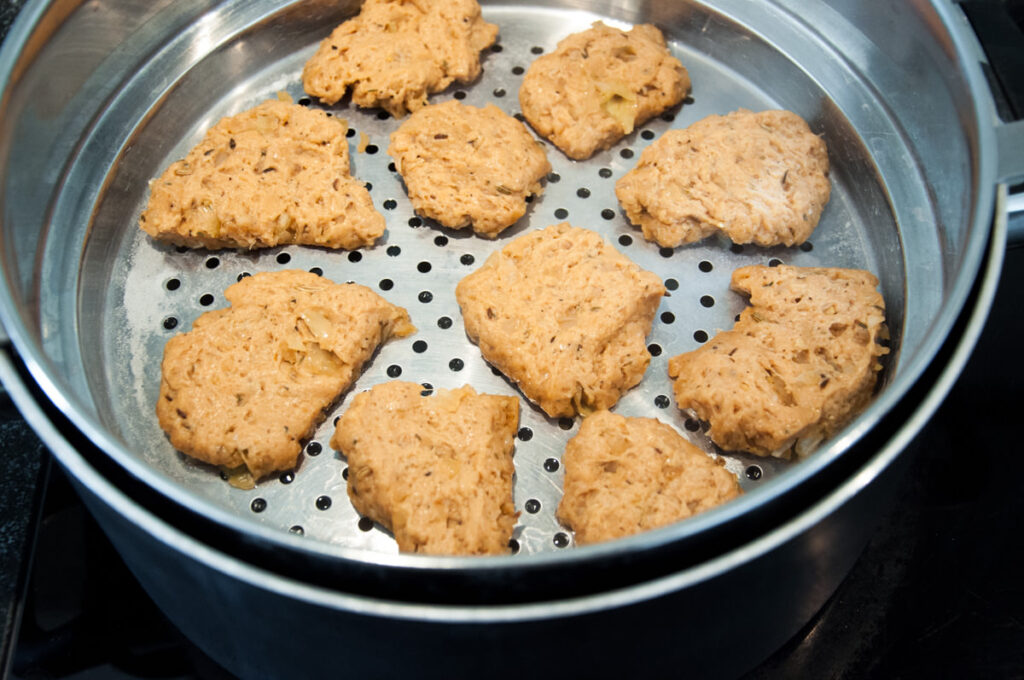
[435,469]
[274,175]
[251,381]
[627,475]
[800,363]
[468,167]
[599,85]
[564,315]
[757,178]
[396,52]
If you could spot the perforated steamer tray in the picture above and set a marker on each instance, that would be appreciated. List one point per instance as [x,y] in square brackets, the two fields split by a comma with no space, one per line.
[136,293]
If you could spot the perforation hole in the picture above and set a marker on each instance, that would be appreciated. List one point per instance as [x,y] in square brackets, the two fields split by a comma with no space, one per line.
[323,503]
[467,259]
[625,240]
[583,192]
[390,204]
[441,241]
[525,434]
[419,347]
[175,284]
[456,364]
[561,540]
[655,349]
[626,153]
[283,258]
[532,506]
[386,284]
[258,505]
[707,301]
[170,323]
[561,213]
[668,317]
[415,222]
[608,214]
[647,134]
[705,266]
[206,300]
[444,323]
[662,401]
[605,172]
[314,448]
[460,95]
[700,336]
[551,465]
[355,256]
[754,472]
[394,371]
[365,524]
[212,263]
[425,296]
[423,267]
[671,284]
[517,70]
[395,251]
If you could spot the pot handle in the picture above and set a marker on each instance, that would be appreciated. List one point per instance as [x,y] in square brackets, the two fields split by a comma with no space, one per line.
[1010,140]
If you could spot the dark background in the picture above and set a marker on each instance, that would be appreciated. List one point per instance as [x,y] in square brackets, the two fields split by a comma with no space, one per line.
[937,593]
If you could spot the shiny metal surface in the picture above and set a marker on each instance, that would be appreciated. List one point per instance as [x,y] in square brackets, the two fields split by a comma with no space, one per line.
[86,296]
[715,620]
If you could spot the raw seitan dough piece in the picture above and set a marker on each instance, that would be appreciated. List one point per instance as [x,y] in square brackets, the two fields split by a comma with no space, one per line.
[396,52]
[799,364]
[249,382]
[468,167]
[273,175]
[627,475]
[598,85]
[564,315]
[436,470]
[755,177]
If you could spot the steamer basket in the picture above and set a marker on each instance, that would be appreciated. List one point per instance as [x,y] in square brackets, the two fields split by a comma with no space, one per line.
[99,98]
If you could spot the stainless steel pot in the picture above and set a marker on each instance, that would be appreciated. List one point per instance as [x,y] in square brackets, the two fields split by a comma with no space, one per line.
[97,98]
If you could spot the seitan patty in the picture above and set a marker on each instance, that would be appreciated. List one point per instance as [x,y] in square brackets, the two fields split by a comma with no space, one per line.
[435,470]
[800,363]
[627,475]
[396,52]
[564,315]
[598,85]
[249,382]
[468,167]
[274,175]
[754,177]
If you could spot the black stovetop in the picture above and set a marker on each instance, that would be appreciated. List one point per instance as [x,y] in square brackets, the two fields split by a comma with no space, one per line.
[937,593]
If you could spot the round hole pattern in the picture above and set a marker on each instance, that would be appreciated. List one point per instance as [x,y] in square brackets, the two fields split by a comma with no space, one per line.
[323,502]
[532,506]
[258,505]
[525,434]
[552,465]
